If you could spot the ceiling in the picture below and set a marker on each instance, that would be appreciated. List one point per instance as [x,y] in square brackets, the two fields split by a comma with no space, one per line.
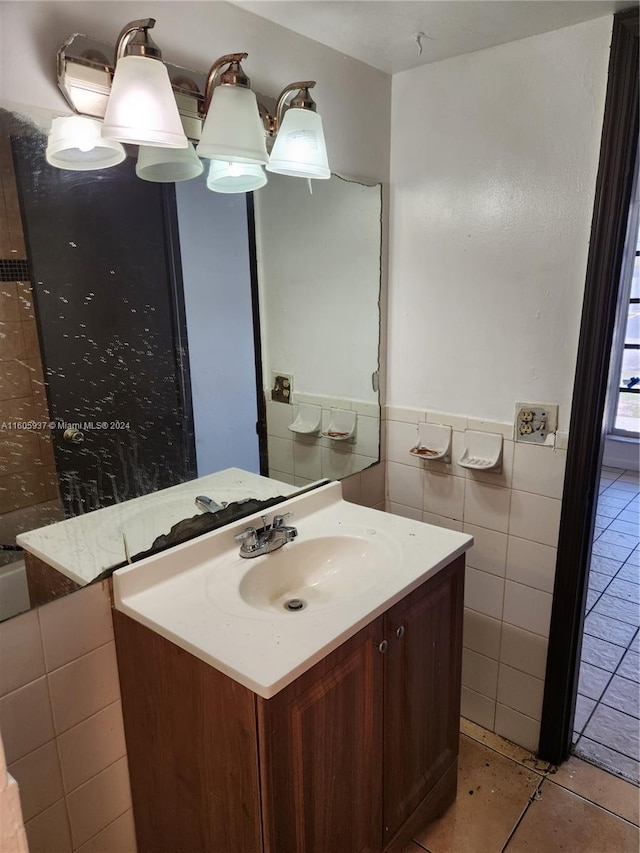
[382,32]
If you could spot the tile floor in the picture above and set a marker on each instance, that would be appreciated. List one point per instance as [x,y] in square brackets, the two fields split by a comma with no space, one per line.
[508,801]
[607,724]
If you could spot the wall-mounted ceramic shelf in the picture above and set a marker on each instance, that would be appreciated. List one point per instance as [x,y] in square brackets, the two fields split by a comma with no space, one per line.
[482,451]
[342,425]
[309,420]
[434,443]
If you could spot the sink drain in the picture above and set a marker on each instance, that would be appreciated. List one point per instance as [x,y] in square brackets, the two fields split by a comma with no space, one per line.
[295,604]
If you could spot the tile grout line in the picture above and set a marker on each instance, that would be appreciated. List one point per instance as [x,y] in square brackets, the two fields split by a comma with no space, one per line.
[594,802]
[535,795]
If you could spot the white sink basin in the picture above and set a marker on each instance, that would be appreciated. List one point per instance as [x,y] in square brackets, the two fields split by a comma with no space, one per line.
[317,573]
[348,565]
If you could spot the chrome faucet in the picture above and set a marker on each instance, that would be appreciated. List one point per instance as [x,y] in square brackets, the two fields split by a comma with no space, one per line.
[208,504]
[267,538]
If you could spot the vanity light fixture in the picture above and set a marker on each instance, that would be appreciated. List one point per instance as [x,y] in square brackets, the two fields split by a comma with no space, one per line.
[168,165]
[142,108]
[230,177]
[76,143]
[299,149]
[151,104]
[232,131]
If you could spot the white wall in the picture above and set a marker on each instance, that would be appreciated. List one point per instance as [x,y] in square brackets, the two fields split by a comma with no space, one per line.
[493,168]
[494,158]
[319,277]
[214,247]
[353,98]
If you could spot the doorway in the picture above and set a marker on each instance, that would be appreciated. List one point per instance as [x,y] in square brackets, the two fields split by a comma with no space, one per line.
[584,457]
[607,719]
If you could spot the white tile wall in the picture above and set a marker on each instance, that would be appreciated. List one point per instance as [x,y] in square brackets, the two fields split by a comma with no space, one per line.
[443,495]
[527,608]
[489,551]
[524,650]
[514,518]
[487,506]
[535,517]
[479,673]
[484,592]
[61,724]
[310,457]
[474,706]
[517,727]
[519,691]
[531,563]
[482,634]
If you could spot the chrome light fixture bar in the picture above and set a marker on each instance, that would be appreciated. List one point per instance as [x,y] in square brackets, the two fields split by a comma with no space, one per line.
[85,74]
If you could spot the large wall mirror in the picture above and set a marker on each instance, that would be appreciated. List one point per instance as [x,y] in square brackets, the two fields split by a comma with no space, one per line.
[155,333]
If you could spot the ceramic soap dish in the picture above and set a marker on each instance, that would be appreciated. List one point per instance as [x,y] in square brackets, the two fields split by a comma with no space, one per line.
[309,420]
[482,451]
[342,425]
[434,443]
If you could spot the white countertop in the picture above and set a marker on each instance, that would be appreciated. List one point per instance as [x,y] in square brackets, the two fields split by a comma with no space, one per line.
[190,594]
[83,547]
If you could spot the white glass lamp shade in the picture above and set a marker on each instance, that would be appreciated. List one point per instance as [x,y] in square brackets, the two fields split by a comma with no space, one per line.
[235,177]
[300,149]
[141,108]
[233,130]
[76,143]
[168,165]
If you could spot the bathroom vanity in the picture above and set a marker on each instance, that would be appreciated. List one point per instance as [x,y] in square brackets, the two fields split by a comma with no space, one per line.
[252,729]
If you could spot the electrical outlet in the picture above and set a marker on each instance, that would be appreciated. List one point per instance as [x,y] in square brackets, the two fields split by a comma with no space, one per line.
[282,387]
[535,421]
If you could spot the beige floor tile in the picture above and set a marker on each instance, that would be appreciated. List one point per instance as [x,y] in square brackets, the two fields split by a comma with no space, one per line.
[510,750]
[561,821]
[600,787]
[493,792]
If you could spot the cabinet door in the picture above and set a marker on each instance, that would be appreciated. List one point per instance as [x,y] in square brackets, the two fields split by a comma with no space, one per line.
[422,692]
[192,748]
[321,754]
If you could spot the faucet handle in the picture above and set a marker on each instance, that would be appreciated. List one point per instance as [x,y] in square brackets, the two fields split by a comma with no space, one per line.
[248,537]
[278,520]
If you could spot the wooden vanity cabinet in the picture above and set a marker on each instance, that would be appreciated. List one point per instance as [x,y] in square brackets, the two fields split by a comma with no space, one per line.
[354,756]
[423,666]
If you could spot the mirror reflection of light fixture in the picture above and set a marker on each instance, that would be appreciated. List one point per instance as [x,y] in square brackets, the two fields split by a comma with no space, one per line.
[142,108]
[233,130]
[299,149]
[168,165]
[76,143]
[230,177]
